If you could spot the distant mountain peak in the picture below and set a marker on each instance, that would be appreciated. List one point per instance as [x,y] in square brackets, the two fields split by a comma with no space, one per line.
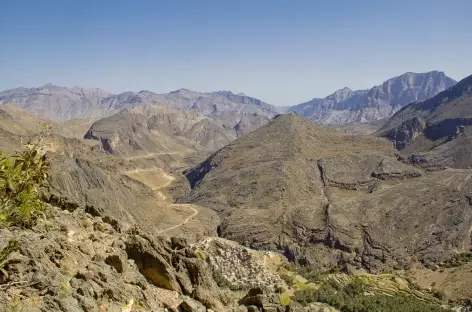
[182,90]
[381,101]
[95,92]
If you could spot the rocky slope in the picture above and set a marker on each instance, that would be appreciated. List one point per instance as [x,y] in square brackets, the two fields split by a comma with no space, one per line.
[325,198]
[435,132]
[18,126]
[346,105]
[74,261]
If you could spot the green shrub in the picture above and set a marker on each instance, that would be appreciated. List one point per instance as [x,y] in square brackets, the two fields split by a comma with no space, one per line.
[21,179]
[284,299]
[311,275]
[351,298]
[287,278]
[220,280]
[4,254]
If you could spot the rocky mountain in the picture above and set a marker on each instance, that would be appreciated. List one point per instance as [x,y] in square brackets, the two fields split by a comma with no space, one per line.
[60,103]
[215,103]
[149,129]
[437,131]
[346,105]
[325,199]
[154,129]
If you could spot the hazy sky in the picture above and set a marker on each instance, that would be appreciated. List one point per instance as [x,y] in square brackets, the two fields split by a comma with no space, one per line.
[283,52]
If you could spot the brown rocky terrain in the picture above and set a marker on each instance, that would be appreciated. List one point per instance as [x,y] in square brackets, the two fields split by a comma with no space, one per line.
[84,175]
[74,261]
[19,125]
[436,132]
[324,198]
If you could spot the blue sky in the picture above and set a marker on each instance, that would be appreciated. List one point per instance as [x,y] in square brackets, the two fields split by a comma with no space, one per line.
[283,52]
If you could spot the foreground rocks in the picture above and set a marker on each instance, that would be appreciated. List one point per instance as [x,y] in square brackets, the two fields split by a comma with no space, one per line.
[77,262]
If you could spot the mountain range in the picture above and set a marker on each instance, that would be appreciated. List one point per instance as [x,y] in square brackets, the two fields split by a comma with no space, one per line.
[343,106]
[61,103]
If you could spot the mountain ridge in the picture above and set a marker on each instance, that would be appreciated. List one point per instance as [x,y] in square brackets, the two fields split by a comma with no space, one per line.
[381,101]
[62,103]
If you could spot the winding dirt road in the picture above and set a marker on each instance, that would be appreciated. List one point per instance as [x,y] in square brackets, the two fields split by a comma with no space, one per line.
[195,212]
[163,181]
[149,155]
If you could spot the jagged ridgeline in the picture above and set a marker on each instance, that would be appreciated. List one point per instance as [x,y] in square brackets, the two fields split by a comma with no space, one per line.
[382,101]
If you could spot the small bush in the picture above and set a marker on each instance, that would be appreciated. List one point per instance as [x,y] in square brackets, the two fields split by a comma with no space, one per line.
[15,305]
[311,275]
[21,179]
[220,280]
[4,254]
[65,290]
[284,299]
[201,256]
[438,293]
[287,278]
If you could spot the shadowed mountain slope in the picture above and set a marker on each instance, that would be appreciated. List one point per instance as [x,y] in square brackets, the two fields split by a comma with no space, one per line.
[436,132]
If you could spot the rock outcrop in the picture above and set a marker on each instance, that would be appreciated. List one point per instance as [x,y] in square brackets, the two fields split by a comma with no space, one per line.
[74,261]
